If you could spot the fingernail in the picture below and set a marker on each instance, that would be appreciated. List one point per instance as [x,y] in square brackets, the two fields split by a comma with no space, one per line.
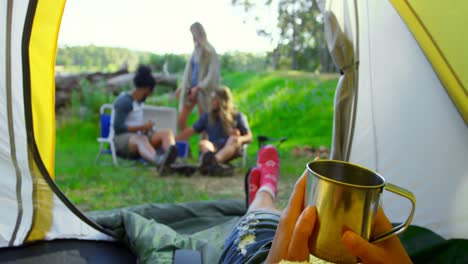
[347,238]
[346,235]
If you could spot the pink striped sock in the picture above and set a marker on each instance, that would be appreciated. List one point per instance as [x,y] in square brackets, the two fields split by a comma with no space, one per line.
[268,161]
[253,183]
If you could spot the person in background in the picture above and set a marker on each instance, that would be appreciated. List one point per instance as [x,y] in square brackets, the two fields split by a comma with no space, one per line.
[227,131]
[201,76]
[135,138]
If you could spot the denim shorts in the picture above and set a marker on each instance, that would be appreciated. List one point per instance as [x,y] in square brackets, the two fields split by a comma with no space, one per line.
[251,239]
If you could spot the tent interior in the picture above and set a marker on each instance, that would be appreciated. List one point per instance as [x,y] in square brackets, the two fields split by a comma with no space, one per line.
[403,86]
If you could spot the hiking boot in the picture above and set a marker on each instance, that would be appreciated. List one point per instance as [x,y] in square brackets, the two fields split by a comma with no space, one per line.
[184,169]
[208,160]
[165,160]
[221,169]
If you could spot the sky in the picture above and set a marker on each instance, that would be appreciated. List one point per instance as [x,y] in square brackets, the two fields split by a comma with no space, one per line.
[161,26]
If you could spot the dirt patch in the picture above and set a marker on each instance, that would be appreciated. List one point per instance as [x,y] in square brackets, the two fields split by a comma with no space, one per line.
[233,187]
[224,186]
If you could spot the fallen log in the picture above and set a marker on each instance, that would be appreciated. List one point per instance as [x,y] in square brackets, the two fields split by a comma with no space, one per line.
[114,83]
[126,80]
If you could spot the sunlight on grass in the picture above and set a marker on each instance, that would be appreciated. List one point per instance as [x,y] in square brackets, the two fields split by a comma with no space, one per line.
[299,108]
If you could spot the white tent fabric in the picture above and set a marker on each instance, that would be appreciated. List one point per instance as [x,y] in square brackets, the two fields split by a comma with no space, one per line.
[12,147]
[20,179]
[407,128]
[340,32]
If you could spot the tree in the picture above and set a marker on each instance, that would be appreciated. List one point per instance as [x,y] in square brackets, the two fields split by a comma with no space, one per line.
[300,42]
[93,58]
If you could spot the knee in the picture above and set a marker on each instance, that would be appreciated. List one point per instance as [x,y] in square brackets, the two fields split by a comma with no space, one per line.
[138,139]
[234,141]
[168,133]
[162,135]
[203,143]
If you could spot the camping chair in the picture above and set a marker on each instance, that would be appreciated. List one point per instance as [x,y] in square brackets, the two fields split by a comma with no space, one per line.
[244,155]
[106,118]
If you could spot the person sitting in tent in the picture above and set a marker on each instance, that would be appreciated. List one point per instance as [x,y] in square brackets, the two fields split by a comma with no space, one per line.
[135,138]
[227,131]
[264,235]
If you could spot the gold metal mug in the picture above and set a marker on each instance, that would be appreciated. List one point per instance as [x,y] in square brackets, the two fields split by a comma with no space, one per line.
[347,197]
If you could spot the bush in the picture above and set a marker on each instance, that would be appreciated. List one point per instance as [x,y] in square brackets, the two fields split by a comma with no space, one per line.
[86,101]
[243,62]
[175,62]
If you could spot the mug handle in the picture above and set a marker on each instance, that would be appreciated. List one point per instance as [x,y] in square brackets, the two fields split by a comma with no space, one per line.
[402,227]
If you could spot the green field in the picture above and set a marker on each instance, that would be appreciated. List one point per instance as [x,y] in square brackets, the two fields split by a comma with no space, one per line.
[295,105]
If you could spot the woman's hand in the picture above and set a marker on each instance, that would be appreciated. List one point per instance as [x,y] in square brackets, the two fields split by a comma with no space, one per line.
[234,132]
[193,93]
[387,251]
[291,241]
[177,93]
[148,126]
[296,224]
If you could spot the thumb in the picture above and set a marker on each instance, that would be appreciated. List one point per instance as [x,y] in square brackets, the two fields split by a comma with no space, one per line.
[361,248]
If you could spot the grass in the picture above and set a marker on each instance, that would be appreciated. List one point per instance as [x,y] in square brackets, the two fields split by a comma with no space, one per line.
[292,104]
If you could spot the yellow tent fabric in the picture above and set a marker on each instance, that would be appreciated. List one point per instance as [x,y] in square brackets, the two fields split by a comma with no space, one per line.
[45,26]
[33,207]
[440,29]
[42,53]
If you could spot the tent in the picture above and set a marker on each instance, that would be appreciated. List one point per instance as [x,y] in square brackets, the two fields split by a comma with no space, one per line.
[39,223]
[36,207]
[401,109]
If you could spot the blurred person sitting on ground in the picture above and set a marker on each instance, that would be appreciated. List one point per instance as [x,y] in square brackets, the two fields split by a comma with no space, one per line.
[135,138]
[227,131]
[266,235]
[201,76]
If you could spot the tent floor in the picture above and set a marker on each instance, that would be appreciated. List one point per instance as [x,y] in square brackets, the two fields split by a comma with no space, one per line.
[68,251]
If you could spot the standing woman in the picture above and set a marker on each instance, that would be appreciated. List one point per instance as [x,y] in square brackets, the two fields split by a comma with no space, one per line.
[201,77]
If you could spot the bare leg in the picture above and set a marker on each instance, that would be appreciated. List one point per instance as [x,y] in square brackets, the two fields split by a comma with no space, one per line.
[163,138]
[229,150]
[203,134]
[177,93]
[141,144]
[182,120]
[206,146]
[263,201]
